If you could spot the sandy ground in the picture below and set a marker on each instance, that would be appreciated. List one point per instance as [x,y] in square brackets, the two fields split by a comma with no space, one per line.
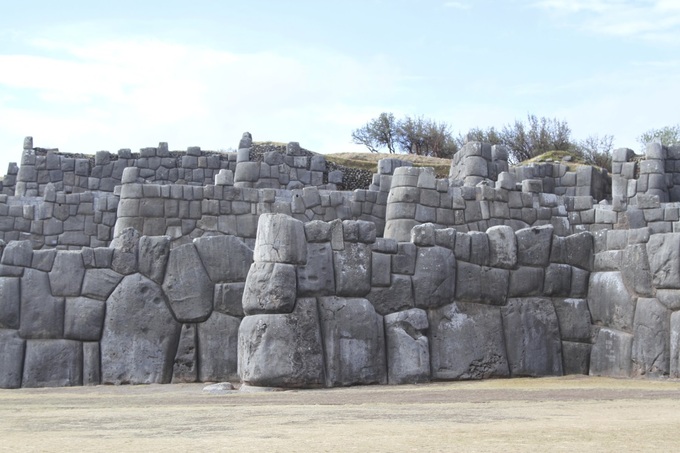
[548,414]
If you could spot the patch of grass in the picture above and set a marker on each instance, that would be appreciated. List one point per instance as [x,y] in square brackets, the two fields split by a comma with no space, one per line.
[369,161]
[557,156]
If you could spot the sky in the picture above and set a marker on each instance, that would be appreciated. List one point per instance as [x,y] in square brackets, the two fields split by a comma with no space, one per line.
[85,76]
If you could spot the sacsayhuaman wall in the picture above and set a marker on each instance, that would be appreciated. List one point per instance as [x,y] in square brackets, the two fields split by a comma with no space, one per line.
[198,266]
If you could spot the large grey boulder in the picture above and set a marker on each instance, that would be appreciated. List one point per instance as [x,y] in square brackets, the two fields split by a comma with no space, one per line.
[635,269]
[526,281]
[185,367]
[611,354]
[10,302]
[100,283]
[481,284]
[12,349]
[153,256]
[574,319]
[434,282]
[502,247]
[354,342]
[217,348]
[534,245]
[575,357]
[674,345]
[226,258]
[140,334]
[280,239]
[84,319]
[125,251]
[317,277]
[53,363]
[663,251]
[229,298]
[609,301]
[651,331]
[408,351]
[187,285]
[396,297]
[467,342]
[18,253]
[68,271]
[532,337]
[282,350]
[270,288]
[575,250]
[352,268]
[42,316]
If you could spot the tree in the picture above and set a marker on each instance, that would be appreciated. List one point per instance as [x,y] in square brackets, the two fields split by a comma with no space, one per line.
[596,150]
[378,133]
[412,135]
[667,135]
[476,134]
[536,137]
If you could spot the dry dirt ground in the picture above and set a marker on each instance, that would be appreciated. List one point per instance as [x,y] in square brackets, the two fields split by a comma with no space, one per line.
[548,414]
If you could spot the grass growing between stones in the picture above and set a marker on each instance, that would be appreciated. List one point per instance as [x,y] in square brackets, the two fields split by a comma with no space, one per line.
[369,161]
[547,414]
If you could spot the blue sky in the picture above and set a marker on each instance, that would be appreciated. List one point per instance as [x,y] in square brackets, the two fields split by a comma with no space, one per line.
[86,76]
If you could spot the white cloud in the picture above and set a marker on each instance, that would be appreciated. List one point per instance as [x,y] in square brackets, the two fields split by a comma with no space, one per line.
[82,97]
[652,20]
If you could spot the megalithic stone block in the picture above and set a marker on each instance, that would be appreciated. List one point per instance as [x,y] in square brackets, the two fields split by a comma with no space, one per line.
[270,288]
[140,334]
[282,350]
[218,348]
[611,354]
[408,351]
[53,363]
[12,349]
[187,286]
[280,239]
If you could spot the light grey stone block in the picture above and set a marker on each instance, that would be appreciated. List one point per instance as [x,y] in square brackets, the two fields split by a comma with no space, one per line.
[91,363]
[10,302]
[138,349]
[229,298]
[651,331]
[663,251]
[502,247]
[67,274]
[42,315]
[611,354]
[481,284]
[218,348]
[574,319]
[534,245]
[187,285]
[270,288]
[532,337]
[99,283]
[53,363]
[282,350]
[280,238]
[354,343]
[526,281]
[395,297]
[408,353]
[153,256]
[609,301]
[467,342]
[225,258]
[352,268]
[12,349]
[434,280]
[83,319]
[317,277]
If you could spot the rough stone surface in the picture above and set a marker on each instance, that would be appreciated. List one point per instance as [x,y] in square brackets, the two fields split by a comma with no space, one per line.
[12,349]
[467,342]
[229,298]
[353,340]
[217,348]
[534,245]
[83,319]
[153,256]
[317,277]
[434,281]
[574,319]
[481,284]
[185,367]
[280,239]
[663,251]
[609,301]
[10,302]
[396,297]
[187,285]
[675,345]
[67,274]
[408,352]
[226,258]
[42,316]
[125,251]
[611,354]
[53,363]
[651,331]
[282,349]
[575,357]
[352,268]
[635,269]
[99,283]
[270,288]
[532,337]
[502,247]
[138,349]
[91,363]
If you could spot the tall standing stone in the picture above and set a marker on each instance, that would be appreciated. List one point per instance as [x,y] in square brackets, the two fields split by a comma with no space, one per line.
[187,285]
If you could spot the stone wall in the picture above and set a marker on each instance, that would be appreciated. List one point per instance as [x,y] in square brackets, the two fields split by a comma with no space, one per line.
[266,274]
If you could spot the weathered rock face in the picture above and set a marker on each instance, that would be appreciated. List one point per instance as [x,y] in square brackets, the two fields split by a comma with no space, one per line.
[217,348]
[396,297]
[83,319]
[352,270]
[532,337]
[467,342]
[10,302]
[663,251]
[317,277]
[153,256]
[611,354]
[67,274]
[53,363]
[534,245]
[138,349]
[226,258]
[12,349]
[610,302]
[408,352]
[187,285]
[282,350]
[434,281]
[353,339]
[270,288]
[185,367]
[651,352]
[280,239]
[42,316]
